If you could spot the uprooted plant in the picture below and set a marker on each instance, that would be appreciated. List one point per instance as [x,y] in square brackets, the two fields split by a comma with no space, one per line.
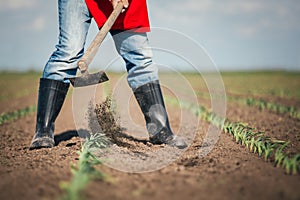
[105,113]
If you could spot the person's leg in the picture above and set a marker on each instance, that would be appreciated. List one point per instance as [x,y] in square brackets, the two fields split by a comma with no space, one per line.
[74,21]
[143,79]
[137,54]
[51,97]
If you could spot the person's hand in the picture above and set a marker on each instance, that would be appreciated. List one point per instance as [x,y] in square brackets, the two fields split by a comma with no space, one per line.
[115,2]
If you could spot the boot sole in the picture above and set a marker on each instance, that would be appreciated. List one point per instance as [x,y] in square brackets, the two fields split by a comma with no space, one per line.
[40,143]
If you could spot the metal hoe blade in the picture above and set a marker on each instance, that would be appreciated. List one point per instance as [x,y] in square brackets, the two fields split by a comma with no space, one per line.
[89,79]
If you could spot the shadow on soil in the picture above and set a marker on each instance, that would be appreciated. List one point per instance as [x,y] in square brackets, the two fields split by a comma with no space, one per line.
[120,138]
[65,136]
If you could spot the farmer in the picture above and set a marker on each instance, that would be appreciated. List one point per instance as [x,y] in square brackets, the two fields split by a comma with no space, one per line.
[74,20]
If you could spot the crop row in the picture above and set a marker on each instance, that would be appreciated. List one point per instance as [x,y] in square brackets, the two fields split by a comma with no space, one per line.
[274,107]
[255,141]
[10,116]
[16,95]
[261,104]
[84,172]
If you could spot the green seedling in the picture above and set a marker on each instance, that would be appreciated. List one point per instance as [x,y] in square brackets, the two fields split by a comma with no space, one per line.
[295,164]
[279,155]
[84,172]
[256,142]
[276,108]
[11,116]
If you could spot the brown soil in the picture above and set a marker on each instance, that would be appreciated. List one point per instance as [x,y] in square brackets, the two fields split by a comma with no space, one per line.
[229,171]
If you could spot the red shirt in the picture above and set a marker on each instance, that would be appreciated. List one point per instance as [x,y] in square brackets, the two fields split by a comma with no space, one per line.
[135,16]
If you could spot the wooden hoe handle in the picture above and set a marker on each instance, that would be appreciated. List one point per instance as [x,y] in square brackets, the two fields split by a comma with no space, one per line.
[90,53]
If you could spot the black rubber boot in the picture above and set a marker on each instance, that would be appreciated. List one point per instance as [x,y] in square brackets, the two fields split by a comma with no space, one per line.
[51,97]
[150,99]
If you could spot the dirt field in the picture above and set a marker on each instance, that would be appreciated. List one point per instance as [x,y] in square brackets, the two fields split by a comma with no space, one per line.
[229,171]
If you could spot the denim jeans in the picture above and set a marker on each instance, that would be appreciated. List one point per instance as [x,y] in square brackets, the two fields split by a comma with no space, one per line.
[74,23]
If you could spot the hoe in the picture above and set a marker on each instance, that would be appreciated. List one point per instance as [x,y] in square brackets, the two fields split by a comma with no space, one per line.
[86,78]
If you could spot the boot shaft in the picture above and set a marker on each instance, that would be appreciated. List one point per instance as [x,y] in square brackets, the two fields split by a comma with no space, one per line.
[51,96]
[150,100]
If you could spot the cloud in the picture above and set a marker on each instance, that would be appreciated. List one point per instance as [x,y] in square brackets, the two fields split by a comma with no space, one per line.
[242,18]
[255,27]
[209,6]
[14,5]
[193,6]
[247,31]
[274,19]
[237,7]
[36,25]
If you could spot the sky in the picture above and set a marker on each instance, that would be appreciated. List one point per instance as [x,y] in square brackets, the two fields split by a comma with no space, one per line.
[237,34]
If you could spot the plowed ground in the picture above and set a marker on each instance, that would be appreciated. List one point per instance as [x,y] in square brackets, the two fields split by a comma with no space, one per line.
[229,171]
